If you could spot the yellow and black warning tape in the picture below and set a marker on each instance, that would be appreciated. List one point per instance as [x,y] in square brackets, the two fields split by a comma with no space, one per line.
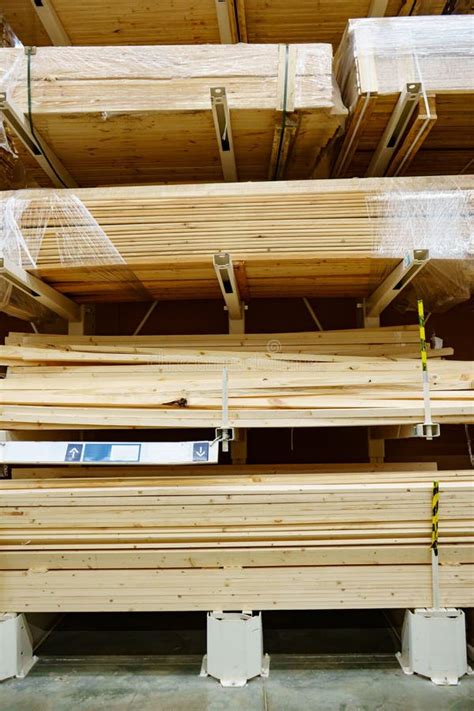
[435,517]
[421,323]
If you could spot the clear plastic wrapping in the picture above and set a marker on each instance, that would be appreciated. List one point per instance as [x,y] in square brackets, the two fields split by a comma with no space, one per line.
[391,52]
[164,77]
[58,225]
[439,221]
[59,230]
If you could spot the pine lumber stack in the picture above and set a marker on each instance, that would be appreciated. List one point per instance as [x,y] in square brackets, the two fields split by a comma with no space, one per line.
[203,542]
[339,473]
[294,238]
[181,22]
[334,379]
[377,58]
[129,115]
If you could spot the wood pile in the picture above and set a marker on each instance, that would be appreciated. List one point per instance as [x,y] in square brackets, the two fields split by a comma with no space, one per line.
[182,22]
[341,378]
[203,543]
[375,62]
[133,115]
[299,238]
[349,473]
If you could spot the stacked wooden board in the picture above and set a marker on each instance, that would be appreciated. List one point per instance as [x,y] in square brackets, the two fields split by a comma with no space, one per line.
[227,542]
[327,473]
[298,238]
[144,114]
[182,22]
[376,61]
[332,379]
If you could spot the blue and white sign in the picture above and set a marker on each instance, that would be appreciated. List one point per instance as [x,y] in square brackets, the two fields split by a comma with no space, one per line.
[200,451]
[74,452]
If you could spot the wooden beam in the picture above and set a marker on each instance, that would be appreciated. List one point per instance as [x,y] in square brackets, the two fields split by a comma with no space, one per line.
[242,20]
[364,109]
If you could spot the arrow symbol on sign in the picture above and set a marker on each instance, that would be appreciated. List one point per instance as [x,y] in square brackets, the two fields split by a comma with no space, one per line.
[200,452]
[74,451]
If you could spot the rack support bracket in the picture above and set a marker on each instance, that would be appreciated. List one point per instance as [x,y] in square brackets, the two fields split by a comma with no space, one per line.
[43,155]
[51,23]
[38,291]
[395,129]
[392,286]
[223,127]
[226,277]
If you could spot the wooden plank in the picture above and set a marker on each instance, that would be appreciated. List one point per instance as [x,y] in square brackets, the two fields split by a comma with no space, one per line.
[322,587]
[445,71]
[145,118]
[302,238]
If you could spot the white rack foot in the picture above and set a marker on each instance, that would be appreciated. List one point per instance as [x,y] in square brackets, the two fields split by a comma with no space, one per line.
[235,648]
[434,644]
[16,647]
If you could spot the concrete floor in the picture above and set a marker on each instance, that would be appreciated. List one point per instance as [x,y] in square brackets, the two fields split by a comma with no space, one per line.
[319,661]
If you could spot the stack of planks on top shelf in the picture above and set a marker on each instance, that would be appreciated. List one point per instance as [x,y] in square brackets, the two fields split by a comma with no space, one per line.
[375,62]
[234,542]
[324,379]
[300,238]
[118,115]
[205,21]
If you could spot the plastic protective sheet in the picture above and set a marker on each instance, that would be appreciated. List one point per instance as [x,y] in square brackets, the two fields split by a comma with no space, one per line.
[169,77]
[439,221]
[391,52]
[61,225]
[9,75]
[58,227]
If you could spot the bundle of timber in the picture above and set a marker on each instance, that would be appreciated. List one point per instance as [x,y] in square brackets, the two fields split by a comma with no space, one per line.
[233,543]
[207,21]
[348,473]
[341,378]
[176,114]
[409,85]
[296,238]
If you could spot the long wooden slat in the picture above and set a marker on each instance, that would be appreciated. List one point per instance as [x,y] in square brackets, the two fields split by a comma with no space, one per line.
[178,542]
[297,238]
[124,115]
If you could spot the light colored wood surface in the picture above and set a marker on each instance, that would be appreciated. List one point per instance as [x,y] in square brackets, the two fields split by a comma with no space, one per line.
[377,57]
[272,542]
[310,379]
[292,238]
[99,22]
[327,473]
[143,114]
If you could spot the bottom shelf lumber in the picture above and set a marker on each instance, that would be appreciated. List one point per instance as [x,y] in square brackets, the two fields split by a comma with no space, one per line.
[299,540]
[279,588]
